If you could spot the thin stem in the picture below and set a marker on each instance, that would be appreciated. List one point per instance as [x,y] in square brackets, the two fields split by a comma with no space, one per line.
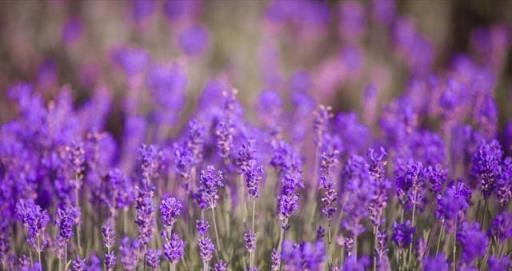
[441,233]
[78,225]
[251,253]
[172,267]
[216,233]
[375,248]
[454,248]
[242,198]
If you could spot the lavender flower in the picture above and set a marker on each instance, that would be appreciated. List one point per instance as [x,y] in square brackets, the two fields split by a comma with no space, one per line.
[220,266]
[174,249]
[353,264]
[410,183]
[145,216]
[210,182]
[202,227]
[170,209]
[78,264]
[403,233]
[453,204]
[437,263]
[152,258]
[67,218]
[206,249]
[486,165]
[128,251]
[321,120]
[250,241]
[253,176]
[193,40]
[275,261]
[108,233]
[472,240]
[499,263]
[501,226]
[34,220]
[303,256]
[110,260]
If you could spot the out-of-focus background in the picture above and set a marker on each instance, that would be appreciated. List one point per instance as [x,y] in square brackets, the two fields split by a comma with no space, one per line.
[253,45]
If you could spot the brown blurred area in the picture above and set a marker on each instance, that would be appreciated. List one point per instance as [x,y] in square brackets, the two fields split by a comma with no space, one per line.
[30,33]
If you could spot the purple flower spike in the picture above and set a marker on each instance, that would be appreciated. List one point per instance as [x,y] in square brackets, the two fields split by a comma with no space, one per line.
[152,258]
[202,227]
[210,181]
[472,240]
[174,249]
[275,260]
[250,241]
[67,218]
[320,122]
[499,263]
[145,216]
[110,260]
[253,177]
[108,233]
[501,226]
[453,204]
[170,209]
[78,264]
[220,266]
[206,249]
[486,165]
[129,253]
[34,220]
[437,263]
[403,233]
[193,40]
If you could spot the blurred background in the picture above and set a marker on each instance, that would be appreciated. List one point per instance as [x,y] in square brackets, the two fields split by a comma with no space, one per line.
[334,50]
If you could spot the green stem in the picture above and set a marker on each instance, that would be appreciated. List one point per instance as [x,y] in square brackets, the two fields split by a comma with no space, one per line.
[216,233]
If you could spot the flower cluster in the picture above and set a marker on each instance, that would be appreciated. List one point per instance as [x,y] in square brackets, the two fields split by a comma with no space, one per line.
[158,154]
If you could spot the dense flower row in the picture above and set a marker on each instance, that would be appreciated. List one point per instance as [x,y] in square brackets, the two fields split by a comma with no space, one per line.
[423,182]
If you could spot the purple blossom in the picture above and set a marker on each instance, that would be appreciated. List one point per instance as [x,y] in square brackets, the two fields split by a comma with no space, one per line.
[303,256]
[253,177]
[34,220]
[472,240]
[152,258]
[452,206]
[403,233]
[410,183]
[486,165]
[499,263]
[220,266]
[210,181]
[275,260]
[132,60]
[67,218]
[174,249]
[78,264]
[354,264]
[501,226]
[193,40]
[145,216]
[206,249]
[129,253]
[110,260]
[170,209]
[108,234]
[250,241]
[437,263]
[202,227]
[320,123]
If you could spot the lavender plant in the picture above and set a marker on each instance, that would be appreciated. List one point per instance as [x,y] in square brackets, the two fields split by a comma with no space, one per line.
[131,166]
